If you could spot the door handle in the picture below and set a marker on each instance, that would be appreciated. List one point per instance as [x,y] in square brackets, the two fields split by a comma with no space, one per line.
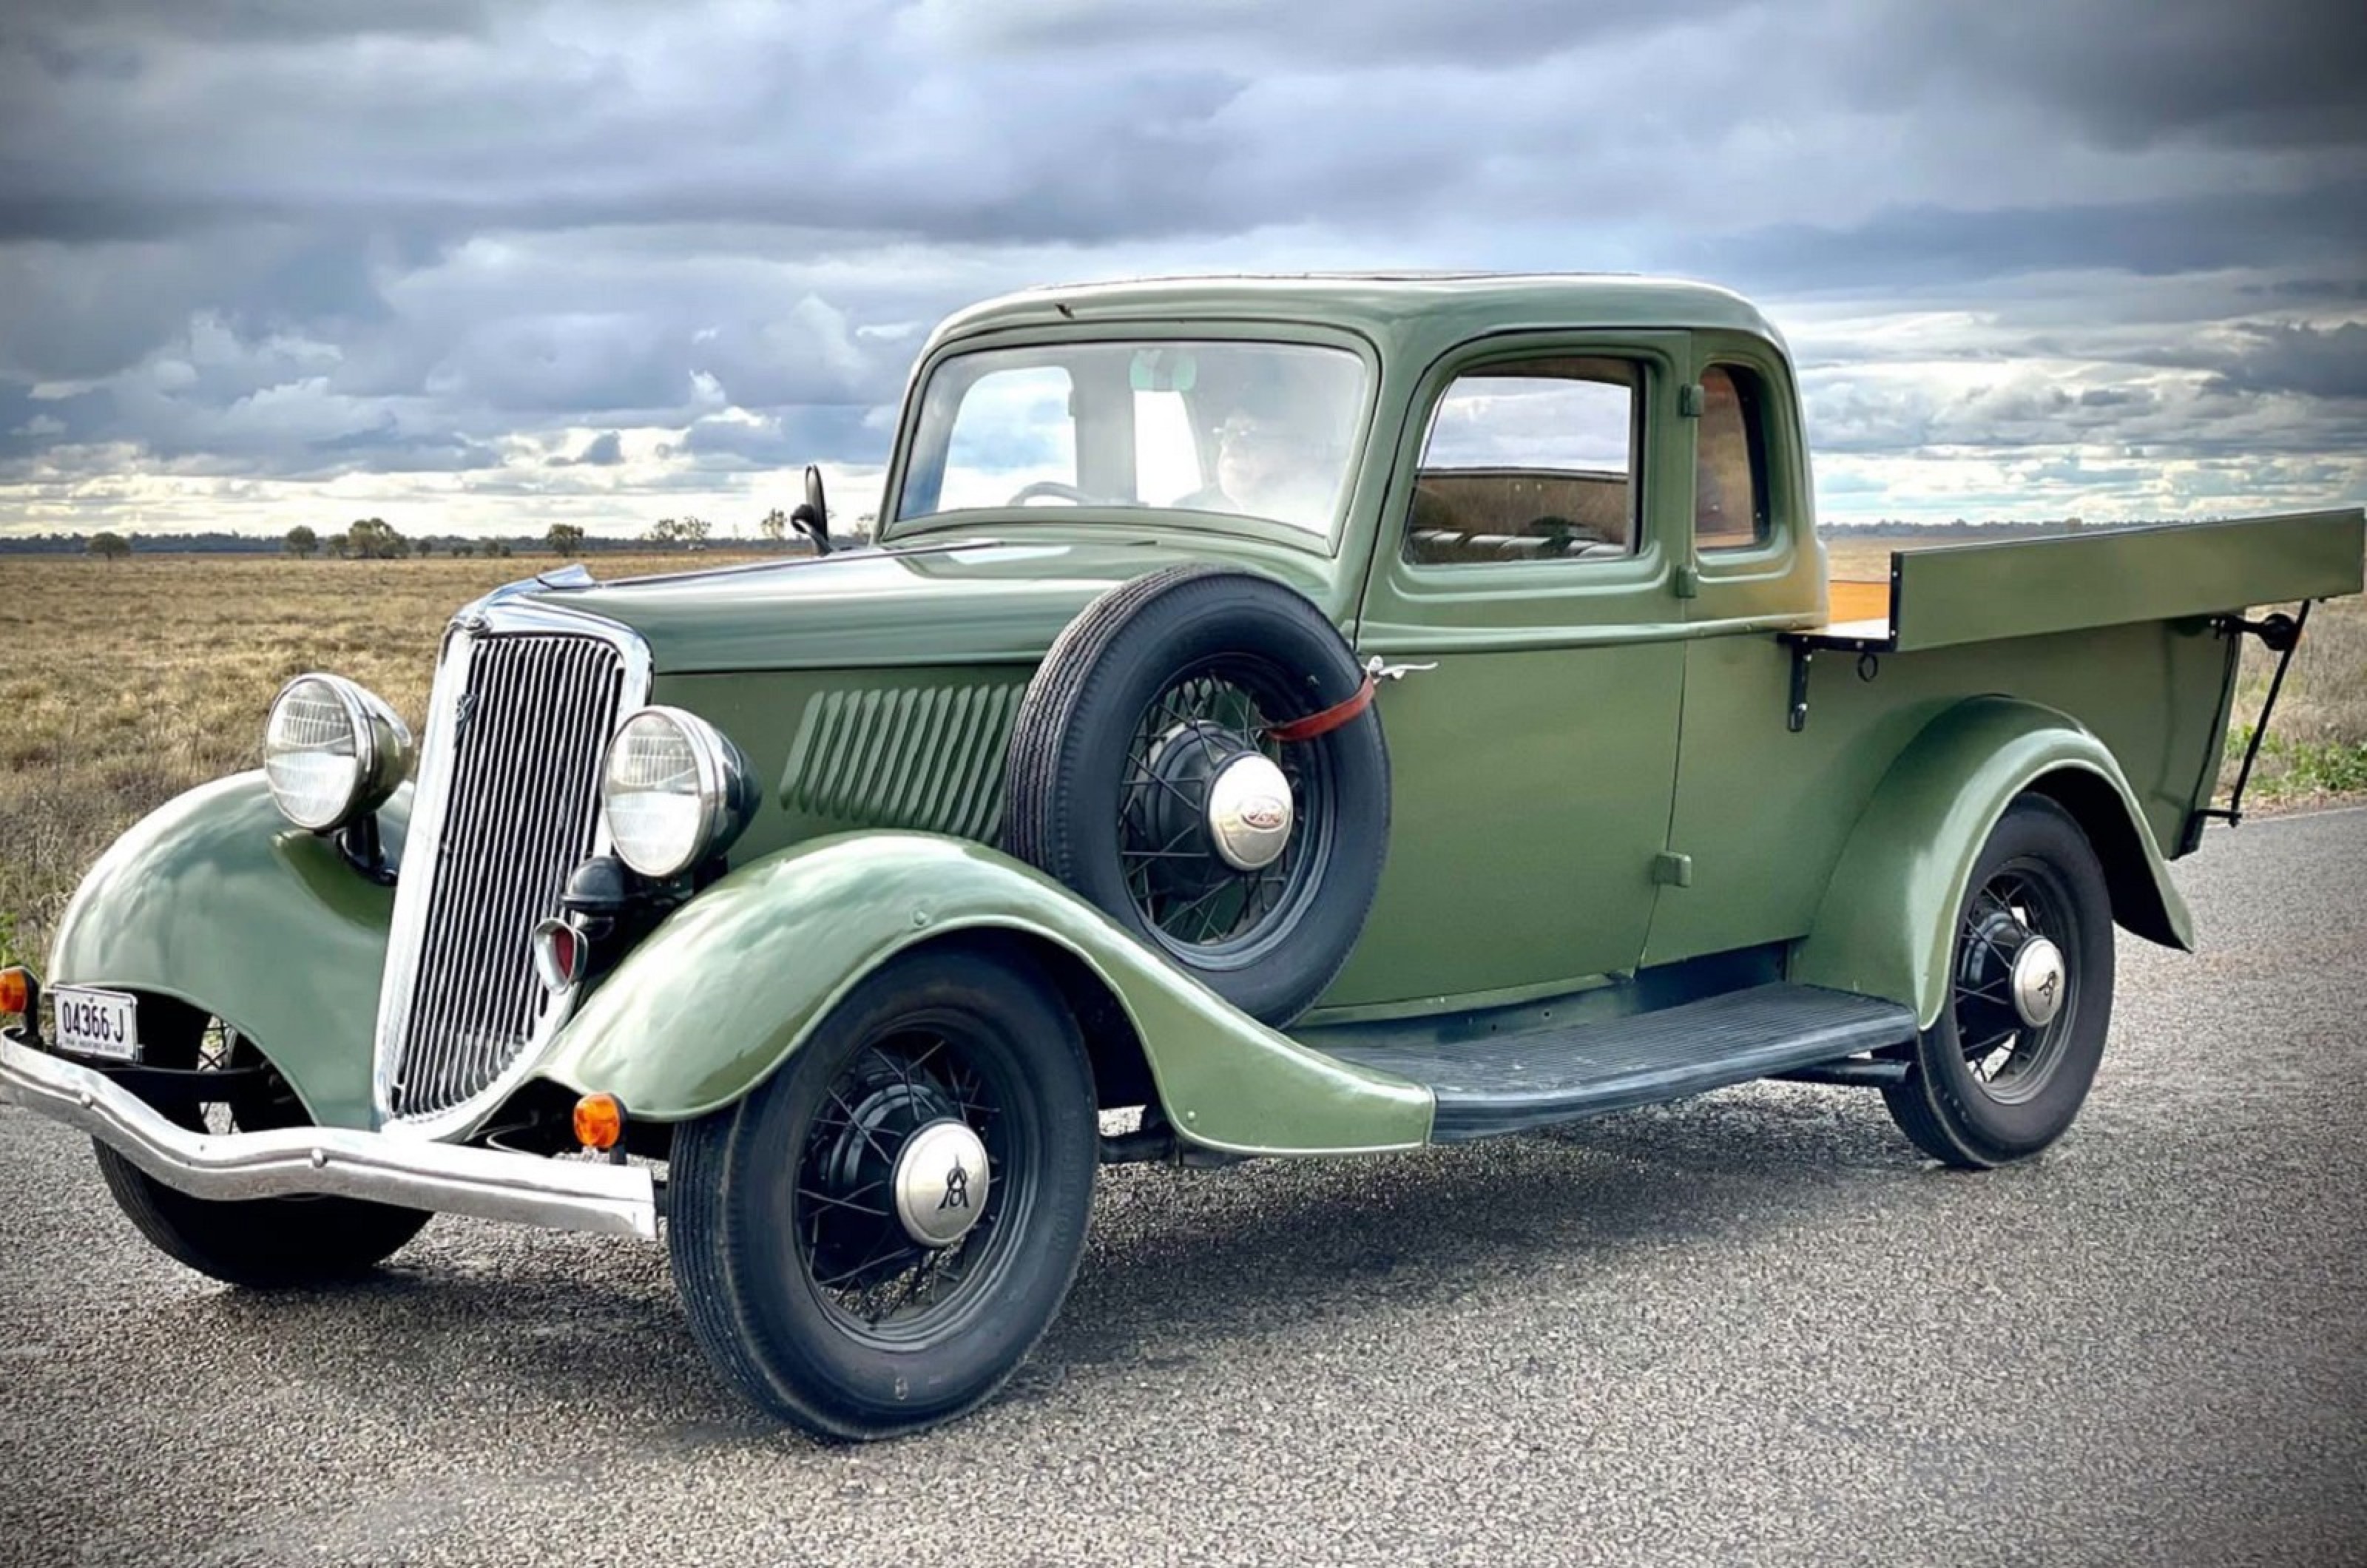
[1380,669]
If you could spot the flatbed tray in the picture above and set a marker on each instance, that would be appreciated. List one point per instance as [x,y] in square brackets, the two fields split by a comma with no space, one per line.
[1987,592]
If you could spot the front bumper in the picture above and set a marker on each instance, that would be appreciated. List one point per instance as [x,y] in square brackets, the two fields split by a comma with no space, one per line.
[491,1184]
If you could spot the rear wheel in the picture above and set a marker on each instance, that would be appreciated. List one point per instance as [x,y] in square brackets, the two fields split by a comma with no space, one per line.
[262,1243]
[2006,1066]
[870,1241]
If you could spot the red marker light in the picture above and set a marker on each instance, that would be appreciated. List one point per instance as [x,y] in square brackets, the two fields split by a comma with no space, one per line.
[559,952]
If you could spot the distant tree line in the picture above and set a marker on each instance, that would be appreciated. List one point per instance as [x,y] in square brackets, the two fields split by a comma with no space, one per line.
[1964,528]
[374,538]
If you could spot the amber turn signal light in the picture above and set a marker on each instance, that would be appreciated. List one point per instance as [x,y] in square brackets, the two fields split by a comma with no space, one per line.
[16,990]
[599,1121]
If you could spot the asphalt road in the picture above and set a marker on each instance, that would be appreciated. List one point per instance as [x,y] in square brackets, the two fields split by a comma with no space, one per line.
[1753,1327]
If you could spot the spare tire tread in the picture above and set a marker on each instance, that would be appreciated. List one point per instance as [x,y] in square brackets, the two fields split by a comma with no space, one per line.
[1044,758]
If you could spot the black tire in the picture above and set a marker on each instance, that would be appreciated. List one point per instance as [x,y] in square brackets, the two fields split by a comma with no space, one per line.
[1226,655]
[1987,1089]
[260,1244]
[765,1200]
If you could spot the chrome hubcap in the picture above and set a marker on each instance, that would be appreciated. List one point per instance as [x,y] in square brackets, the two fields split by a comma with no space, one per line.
[1249,811]
[940,1182]
[2039,981]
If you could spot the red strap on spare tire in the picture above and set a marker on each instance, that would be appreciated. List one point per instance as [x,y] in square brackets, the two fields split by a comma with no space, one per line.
[1320,724]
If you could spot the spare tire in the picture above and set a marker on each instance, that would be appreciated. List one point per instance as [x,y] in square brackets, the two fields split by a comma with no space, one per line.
[1199,756]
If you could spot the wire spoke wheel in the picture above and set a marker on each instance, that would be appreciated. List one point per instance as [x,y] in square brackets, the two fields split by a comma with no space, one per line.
[1192,896]
[2005,1067]
[1144,773]
[870,1239]
[295,1241]
[858,1254]
[2008,1055]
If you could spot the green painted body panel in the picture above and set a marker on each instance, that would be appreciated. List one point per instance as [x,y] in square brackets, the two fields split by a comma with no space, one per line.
[919,747]
[214,899]
[946,604]
[1488,742]
[732,983]
[1967,594]
[1887,918]
[1764,812]
[1530,769]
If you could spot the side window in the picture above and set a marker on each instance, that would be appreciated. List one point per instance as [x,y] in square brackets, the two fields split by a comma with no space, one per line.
[1730,463]
[1530,459]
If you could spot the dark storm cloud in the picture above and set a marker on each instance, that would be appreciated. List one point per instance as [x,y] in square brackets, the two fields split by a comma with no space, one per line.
[1361,32]
[2131,73]
[2319,224]
[791,437]
[302,237]
[392,449]
[243,21]
[605,450]
[2318,363]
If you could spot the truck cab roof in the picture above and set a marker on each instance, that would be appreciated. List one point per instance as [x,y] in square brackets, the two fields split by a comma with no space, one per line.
[1394,309]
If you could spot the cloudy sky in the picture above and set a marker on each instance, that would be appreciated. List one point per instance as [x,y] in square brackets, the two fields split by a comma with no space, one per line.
[472,265]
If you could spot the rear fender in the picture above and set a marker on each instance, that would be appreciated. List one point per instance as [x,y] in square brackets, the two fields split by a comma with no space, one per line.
[215,900]
[730,984]
[1887,921]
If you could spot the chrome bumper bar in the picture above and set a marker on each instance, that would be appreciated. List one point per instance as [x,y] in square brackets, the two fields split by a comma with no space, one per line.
[618,1200]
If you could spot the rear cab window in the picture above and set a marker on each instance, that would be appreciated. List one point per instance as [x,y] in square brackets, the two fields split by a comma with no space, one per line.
[1730,489]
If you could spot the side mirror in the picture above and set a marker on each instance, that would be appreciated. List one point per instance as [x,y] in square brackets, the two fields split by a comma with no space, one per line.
[811,517]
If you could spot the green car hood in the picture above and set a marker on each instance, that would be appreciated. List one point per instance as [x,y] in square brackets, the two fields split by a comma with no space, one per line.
[963,603]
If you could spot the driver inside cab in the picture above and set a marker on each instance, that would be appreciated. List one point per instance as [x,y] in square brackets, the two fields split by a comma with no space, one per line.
[1268,462]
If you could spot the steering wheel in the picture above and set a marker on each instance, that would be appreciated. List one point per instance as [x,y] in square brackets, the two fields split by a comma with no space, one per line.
[1028,492]
[1563,531]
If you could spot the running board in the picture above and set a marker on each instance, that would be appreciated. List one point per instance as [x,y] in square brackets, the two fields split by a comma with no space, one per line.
[1539,1078]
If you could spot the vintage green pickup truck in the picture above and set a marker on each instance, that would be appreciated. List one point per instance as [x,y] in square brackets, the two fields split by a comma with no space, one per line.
[1331,714]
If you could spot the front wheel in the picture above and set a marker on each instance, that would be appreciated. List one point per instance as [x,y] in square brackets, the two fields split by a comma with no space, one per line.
[256,1243]
[2007,1064]
[870,1242]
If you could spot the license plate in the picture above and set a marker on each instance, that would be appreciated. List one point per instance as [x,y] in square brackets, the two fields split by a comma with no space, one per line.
[98,1023]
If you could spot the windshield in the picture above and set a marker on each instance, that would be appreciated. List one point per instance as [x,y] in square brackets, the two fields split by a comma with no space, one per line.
[1251,429]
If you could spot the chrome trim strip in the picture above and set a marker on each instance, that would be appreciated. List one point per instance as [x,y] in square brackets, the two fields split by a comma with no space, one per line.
[415,882]
[491,1184]
[497,614]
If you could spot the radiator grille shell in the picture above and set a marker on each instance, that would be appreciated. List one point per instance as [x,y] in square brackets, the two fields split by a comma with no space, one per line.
[508,804]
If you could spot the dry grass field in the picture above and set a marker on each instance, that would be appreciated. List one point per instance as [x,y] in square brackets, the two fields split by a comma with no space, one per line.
[123,684]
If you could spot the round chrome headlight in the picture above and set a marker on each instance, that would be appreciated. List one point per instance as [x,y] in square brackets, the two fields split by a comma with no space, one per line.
[675,791]
[331,751]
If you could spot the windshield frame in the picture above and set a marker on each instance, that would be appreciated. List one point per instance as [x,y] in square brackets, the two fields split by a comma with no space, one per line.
[996,520]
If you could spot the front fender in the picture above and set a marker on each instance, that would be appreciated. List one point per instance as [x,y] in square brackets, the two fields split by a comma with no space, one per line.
[213,898]
[729,986]
[1886,925]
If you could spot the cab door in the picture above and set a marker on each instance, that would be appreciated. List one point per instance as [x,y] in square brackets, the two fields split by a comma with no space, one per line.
[1761,806]
[1523,581]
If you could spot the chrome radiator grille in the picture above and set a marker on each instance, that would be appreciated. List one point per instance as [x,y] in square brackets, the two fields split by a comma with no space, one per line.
[508,803]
